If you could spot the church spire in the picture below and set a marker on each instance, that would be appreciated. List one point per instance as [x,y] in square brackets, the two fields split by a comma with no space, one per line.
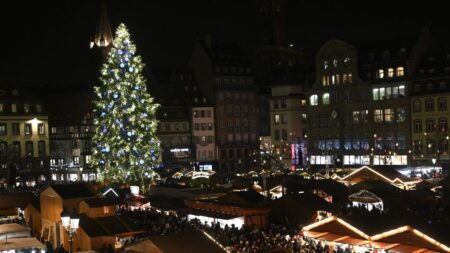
[103,36]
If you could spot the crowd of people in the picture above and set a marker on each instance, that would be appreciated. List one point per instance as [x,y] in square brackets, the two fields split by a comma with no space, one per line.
[236,240]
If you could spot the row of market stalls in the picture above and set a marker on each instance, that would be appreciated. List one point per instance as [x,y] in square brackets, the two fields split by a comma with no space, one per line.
[16,238]
[337,232]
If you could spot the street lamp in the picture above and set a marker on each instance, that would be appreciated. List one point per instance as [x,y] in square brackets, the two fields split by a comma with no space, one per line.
[70,224]
[433,160]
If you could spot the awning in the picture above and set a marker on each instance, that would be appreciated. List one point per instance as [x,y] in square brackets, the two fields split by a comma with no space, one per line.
[21,243]
[12,228]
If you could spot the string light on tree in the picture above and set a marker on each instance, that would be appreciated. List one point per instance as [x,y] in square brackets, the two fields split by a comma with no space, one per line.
[125,145]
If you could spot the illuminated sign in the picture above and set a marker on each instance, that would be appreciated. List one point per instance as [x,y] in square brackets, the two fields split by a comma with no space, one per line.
[176,150]
[200,174]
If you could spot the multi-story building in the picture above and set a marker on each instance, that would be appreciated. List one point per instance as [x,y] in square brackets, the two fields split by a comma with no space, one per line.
[202,120]
[430,112]
[359,106]
[174,129]
[225,76]
[24,137]
[288,116]
[71,130]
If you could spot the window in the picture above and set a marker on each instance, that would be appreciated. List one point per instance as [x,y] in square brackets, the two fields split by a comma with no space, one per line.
[15,128]
[3,129]
[167,126]
[105,209]
[429,125]
[26,108]
[389,115]
[326,99]
[3,148]
[284,134]
[283,118]
[333,79]
[283,102]
[13,107]
[429,105]
[365,116]
[344,78]
[338,78]
[401,115]
[417,126]
[380,74]
[350,78]
[390,72]
[41,149]
[324,81]
[1,108]
[325,65]
[417,105]
[195,114]
[418,146]
[335,63]
[41,129]
[29,148]
[375,94]
[378,115]
[355,117]
[400,71]
[277,119]
[313,100]
[443,124]
[276,134]
[442,104]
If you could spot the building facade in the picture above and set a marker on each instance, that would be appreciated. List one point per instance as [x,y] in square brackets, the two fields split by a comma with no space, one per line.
[24,137]
[430,112]
[359,104]
[225,76]
[288,115]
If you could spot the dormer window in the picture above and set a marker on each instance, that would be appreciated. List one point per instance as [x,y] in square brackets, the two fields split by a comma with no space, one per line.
[335,63]
[347,60]
[325,65]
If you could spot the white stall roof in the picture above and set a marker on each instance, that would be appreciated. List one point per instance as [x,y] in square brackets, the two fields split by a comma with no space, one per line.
[21,243]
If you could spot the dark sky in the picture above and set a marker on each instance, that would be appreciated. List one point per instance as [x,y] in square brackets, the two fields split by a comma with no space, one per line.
[46,42]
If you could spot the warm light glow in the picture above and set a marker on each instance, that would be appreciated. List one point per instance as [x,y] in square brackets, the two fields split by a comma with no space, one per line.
[387,179]
[34,121]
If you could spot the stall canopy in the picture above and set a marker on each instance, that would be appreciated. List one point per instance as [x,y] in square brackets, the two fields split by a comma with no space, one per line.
[21,243]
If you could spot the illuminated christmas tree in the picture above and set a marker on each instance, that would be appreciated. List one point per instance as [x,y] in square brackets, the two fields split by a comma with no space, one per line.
[125,145]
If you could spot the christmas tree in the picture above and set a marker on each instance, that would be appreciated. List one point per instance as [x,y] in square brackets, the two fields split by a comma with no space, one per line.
[125,145]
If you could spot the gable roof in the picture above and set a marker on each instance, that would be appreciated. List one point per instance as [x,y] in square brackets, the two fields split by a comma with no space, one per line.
[386,173]
[243,198]
[106,226]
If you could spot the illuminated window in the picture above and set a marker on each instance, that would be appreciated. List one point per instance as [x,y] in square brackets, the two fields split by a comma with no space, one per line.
[378,115]
[389,115]
[375,94]
[324,80]
[13,107]
[41,128]
[380,74]
[344,78]
[355,117]
[350,78]
[401,115]
[26,108]
[105,210]
[3,129]
[313,100]
[390,72]
[76,160]
[277,119]
[333,79]
[401,90]
[325,65]
[400,71]
[335,63]
[326,99]
[347,60]
[303,102]
[337,79]
[28,129]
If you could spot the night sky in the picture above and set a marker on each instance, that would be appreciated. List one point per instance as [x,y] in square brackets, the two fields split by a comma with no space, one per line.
[47,42]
